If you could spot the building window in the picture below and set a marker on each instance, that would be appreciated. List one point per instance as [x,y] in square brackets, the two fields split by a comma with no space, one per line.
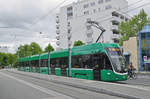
[69,12]
[115,14]
[122,17]
[69,8]
[85,6]
[107,0]
[93,4]
[115,31]
[100,1]
[115,23]
[126,19]
[108,7]
[57,27]
[86,12]
[116,41]
[94,10]
[99,9]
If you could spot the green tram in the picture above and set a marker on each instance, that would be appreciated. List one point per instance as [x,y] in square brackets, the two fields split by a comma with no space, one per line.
[98,61]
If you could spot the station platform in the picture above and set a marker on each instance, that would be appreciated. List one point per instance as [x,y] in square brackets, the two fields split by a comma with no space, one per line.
[110,88]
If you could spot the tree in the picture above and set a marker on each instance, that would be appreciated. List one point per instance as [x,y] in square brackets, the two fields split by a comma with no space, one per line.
[35,48]
[78,43]
[24,50]
[49,48]
[12,59]
[7,59]
[133,26]
[28,50]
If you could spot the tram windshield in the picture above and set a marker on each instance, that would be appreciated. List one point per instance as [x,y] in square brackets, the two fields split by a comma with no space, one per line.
[117,60]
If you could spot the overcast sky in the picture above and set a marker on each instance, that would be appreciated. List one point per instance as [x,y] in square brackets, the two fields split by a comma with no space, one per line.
[25,21]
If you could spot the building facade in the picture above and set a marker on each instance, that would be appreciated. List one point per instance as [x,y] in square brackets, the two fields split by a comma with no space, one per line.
[144,49]
[130,49]
[4,48]
[72,21]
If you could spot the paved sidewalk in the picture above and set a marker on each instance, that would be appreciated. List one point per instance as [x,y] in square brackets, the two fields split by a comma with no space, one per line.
[121,90]
[144,73]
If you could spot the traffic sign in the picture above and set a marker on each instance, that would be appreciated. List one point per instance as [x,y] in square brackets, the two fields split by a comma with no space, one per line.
[145,58]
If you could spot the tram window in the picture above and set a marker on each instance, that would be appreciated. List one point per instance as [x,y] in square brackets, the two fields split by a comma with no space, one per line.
[35,63]
[86,61]
[53,63]
[57,62]
[44,63]
[26,64]
[63,62]
[97,59]
[83,61]
[32,63]
[22,64]
[76,62]
[107,64]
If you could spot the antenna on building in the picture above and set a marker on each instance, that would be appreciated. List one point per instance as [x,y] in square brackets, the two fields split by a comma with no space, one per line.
[96,24]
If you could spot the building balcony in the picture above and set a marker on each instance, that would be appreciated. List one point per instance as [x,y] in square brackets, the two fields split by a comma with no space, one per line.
[116,36]
[116,19]
[114,27]
[58,37]
[89,32]
[69,43]
[57,20]
[69,27]
[69,35]
[89,40]
[57,26]
[58,43]
[58,32]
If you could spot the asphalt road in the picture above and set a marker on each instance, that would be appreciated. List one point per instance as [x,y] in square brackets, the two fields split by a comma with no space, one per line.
[141,80]
[14,86]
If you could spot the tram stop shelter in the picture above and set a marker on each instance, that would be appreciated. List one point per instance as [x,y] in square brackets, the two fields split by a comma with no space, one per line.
[144,49]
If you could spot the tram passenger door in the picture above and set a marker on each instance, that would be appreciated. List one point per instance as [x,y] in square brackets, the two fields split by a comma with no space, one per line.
[97,74]
[53,65]
[52,69]
[98,64]
[64,63]
[63,71]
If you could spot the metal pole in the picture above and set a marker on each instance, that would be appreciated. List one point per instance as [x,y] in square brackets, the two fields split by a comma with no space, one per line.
[48,63]
[39,62]
[70,72]
[18,61]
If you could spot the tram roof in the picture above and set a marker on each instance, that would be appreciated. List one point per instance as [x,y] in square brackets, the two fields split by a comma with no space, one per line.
[78,50]
[91,48]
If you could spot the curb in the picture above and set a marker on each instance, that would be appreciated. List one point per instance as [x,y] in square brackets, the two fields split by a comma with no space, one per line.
[93,89]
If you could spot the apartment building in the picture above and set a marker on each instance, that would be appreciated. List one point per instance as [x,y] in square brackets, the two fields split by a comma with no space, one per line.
[71,21]
[4,48]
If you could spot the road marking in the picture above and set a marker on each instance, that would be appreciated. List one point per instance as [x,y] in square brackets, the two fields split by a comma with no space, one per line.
[42,89]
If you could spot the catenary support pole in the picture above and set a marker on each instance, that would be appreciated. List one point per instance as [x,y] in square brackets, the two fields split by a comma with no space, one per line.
[48,63]
[70,72]
[39,62]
